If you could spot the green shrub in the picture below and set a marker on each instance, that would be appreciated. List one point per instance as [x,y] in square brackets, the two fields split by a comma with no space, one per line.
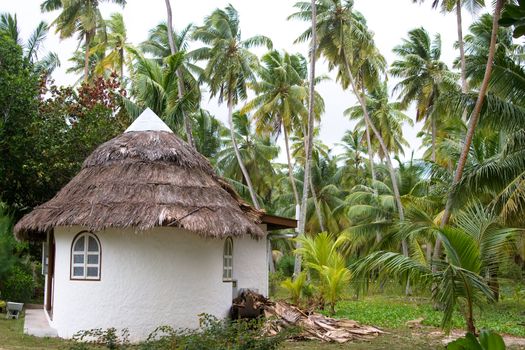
[109,338]
[19,286]
[296,288]
[215,334]
[285,265]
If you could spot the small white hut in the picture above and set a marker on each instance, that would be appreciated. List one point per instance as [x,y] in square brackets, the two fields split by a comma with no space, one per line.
[146,234]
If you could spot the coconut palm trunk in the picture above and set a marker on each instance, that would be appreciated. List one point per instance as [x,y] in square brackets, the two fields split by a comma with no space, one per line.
[309,136]
[395,188]
[317,206]
[244,171]
[464,84]
[473,121]
[86,55]
[314,194]
[434,131]
[121,53]
[390,167]
[180,77]
[369,143]
[290,168]
[370,152]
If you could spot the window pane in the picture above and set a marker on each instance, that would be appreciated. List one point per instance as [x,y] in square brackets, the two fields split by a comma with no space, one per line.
[78,258]
[78,271]
[79,245]
[92,245]
[92,259]
[92,271]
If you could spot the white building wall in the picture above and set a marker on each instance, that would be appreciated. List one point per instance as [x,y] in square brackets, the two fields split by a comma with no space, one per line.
[164,276]
[250,264]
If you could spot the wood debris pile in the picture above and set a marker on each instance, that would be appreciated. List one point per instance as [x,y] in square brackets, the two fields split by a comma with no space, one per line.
[281,315]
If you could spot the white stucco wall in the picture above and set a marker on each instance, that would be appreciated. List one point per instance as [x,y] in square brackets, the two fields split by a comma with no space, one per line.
[250,264]
[164,276]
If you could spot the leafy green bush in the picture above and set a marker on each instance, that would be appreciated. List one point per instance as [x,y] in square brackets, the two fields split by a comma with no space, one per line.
[215,334]
[108,338]
[19,285]
[285,265]
[297,288]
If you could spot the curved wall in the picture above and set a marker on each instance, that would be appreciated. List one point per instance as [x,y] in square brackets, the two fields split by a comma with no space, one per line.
[163,276]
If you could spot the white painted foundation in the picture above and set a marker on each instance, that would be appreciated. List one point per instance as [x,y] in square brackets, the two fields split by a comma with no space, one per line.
[163,276]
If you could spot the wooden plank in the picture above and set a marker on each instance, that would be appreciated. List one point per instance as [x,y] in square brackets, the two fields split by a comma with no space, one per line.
[274,222]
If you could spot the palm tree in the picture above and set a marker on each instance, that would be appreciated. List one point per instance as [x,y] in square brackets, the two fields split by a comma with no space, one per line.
[457,278]
[343,38]
[46,64]
[257,152]
[387,116]
[473,121]
[155,86]
[116,41]
[207,132]
[230,65]
[424,76]
[180,79]
[352,169]
[309,130]
[82,16]
[280,99]
[157,44]
[456,5]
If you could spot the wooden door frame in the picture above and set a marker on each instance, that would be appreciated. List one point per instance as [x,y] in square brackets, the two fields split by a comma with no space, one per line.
[50,273]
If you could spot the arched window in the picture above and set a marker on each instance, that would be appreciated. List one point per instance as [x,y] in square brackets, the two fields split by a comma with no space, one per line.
[227,267]
[85,257]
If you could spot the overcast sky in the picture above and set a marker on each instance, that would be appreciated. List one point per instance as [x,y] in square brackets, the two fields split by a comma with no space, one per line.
[390,20]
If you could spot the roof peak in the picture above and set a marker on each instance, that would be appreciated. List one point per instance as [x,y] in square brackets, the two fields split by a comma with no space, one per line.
[148,121]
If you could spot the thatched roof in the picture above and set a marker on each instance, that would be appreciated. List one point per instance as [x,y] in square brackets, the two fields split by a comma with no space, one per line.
[144,178]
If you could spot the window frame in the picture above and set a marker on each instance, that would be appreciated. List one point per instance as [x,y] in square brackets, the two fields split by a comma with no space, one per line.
[85,253]
[228,243]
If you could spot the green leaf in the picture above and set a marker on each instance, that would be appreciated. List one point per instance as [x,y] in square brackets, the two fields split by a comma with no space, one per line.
[491,341]
[469,342]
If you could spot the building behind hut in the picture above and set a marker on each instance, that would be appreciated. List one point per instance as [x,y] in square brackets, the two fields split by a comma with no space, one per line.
[146,234]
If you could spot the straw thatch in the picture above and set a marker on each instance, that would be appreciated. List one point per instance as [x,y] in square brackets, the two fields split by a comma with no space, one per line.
[144,179]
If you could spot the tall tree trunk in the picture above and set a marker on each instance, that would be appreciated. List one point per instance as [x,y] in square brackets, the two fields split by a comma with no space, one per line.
[370,151]
[238,155]
[391,170]
[464,83]
[310,135]
[121,53]
[317,207]
[434,131]
[379,237]
[290,168]
[86,56]
[312,188]
[473,121]
[180,77]
[471,328]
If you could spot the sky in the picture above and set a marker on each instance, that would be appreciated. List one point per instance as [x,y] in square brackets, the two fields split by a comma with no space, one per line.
[390,20]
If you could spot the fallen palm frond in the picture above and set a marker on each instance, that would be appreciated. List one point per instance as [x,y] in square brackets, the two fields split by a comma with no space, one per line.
[281,316]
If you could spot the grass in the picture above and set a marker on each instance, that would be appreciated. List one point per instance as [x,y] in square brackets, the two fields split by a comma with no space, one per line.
[392,312]
[13,337]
